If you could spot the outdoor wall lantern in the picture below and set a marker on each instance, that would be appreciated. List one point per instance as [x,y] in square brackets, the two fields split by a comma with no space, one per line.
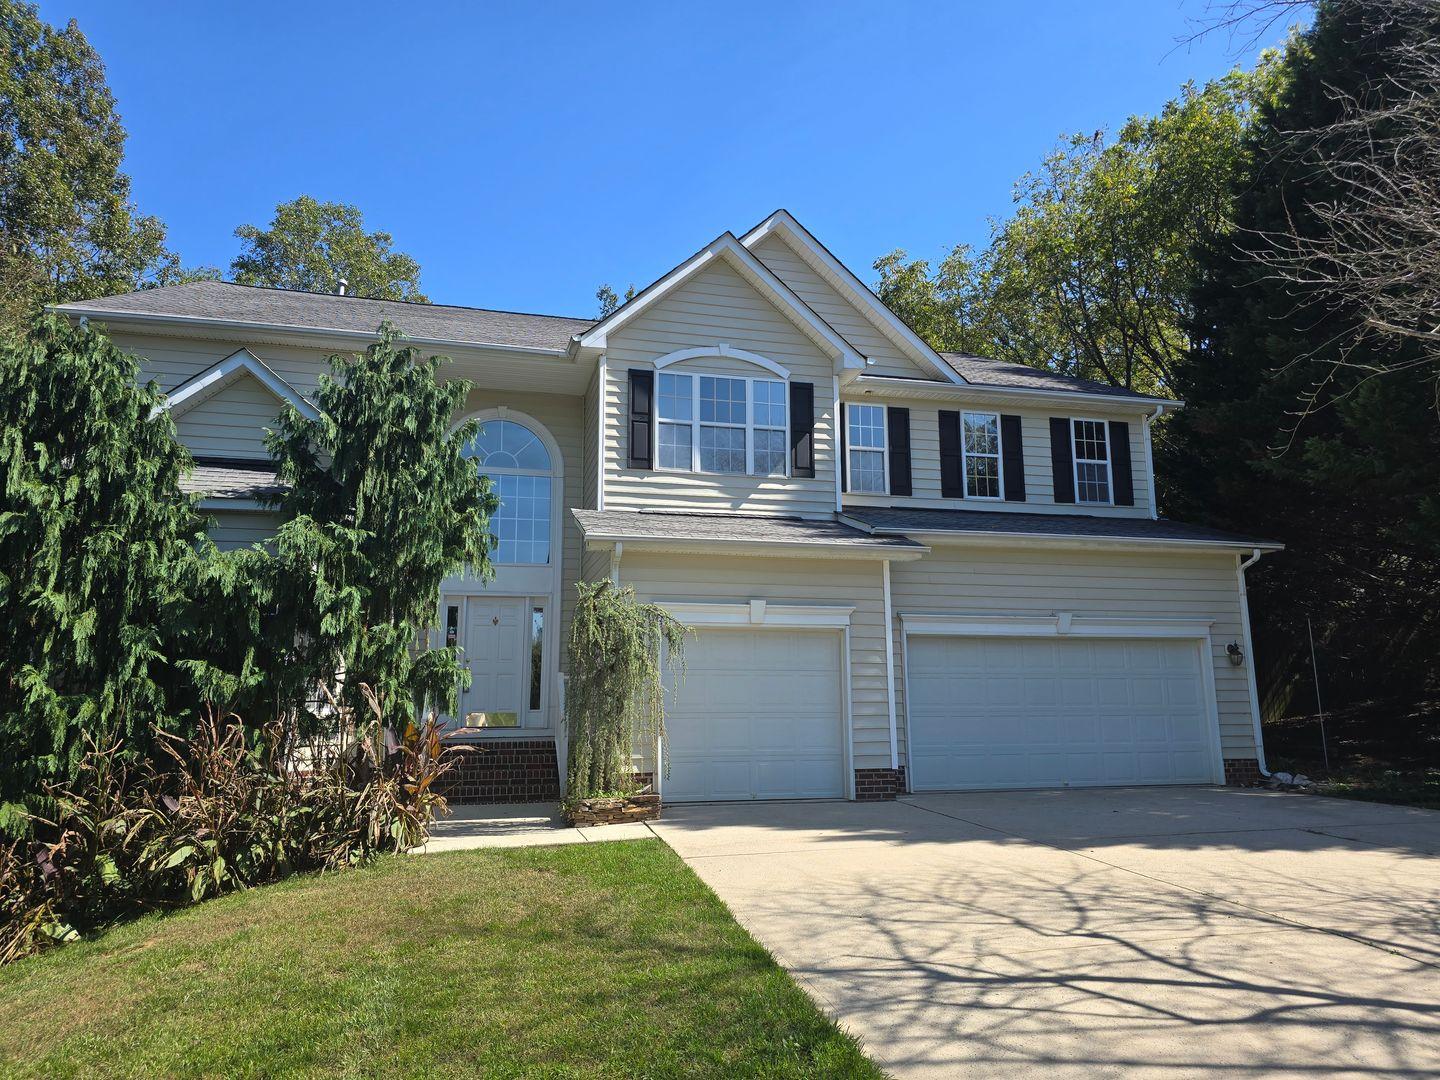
[1235,653]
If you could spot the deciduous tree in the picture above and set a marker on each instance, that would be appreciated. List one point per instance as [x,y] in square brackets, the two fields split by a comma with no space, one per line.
[312,246]
[68,227]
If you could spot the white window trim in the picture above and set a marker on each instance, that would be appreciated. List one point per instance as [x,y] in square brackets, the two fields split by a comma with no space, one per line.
[695,423]
[508,470]
[884,448]
[1076,461]
[999,457]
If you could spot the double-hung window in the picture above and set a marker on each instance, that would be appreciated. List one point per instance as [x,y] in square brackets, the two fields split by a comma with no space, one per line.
[722,424]
[1092,460]
[981,447]
[866,446]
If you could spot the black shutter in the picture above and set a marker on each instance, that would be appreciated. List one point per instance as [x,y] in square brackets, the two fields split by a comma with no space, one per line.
[802,429]
[642,407]
[1062,459]
[844,422]
[1013,455]
[952,464]
[1120,463]
[897,431]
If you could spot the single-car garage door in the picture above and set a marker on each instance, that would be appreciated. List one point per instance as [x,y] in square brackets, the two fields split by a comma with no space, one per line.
[994,712]
[757,716]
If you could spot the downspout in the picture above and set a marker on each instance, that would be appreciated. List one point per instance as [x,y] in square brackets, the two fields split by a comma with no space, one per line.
[1150,461]
[890,666]
[1240,568]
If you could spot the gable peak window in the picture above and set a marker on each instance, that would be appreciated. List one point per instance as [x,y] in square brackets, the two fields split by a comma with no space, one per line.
[866,448]
[723,424]
[1091,442]
[522,473]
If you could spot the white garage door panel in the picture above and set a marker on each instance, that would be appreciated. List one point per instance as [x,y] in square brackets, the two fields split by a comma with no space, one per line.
[1017,712]
[758,716]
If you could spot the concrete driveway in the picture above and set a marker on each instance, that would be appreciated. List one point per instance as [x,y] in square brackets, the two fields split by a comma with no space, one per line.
[1172,932]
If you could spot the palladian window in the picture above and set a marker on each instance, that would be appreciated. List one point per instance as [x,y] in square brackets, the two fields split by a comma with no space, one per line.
[520,469]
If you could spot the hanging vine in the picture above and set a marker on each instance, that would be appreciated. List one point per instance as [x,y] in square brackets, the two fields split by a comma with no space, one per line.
[615,697]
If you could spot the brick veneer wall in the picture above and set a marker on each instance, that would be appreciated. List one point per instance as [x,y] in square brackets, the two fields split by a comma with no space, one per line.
[503,770]
[875,784]
[1242,772]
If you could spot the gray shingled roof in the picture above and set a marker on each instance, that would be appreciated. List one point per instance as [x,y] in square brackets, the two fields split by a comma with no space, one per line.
[283,308]
[979,522]
[732,528]
[217,478]
[987,372]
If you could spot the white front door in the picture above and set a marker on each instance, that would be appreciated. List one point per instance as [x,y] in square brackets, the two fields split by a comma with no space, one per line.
[493,638]
[997,712]
[758,715]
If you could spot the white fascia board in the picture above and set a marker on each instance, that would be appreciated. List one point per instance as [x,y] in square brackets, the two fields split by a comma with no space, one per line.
[220,375]
[726,247]
[915,388]
[219,502]
[755,548]
[762,614]
[1060,624]
[1072,540]
[307,333]
[783,224]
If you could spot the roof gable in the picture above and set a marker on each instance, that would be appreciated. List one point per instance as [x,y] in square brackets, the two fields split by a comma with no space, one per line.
[852,290]
[728,250]
[217,377]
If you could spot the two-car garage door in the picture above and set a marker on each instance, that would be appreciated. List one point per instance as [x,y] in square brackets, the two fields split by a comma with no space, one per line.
[758,715]
[1014,712]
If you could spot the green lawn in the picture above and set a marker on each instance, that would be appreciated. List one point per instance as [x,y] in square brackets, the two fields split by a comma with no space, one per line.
[606,960]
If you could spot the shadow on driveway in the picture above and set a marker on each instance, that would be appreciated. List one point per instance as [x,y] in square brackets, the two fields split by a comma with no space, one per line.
[1162,931]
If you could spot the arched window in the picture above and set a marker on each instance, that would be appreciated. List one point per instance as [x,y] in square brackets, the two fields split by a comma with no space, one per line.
[520,468]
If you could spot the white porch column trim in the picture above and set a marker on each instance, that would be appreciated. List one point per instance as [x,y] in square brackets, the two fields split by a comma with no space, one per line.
[890,667]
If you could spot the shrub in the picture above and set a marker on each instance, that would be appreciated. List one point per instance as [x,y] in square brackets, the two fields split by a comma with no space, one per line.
[225,809]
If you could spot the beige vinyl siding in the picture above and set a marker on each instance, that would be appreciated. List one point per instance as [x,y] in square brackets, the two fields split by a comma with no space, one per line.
[563,417]
[590,453]
[241,528]
[975,580]
[851,323]
[716,307]
[1035,439]
[172,361]
[231,422]
[791,581]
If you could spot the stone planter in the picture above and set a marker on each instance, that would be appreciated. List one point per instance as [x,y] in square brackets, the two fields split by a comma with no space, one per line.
[589,812]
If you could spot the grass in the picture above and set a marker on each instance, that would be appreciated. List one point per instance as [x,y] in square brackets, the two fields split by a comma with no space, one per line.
[1418,788]
[584,960]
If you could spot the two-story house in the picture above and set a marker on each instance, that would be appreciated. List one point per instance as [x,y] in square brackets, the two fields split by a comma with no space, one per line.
[907,570]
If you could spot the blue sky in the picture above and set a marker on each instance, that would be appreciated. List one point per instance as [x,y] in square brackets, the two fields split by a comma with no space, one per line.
[526,152]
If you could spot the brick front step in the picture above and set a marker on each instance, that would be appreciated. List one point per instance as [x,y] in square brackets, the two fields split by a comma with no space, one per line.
[502,771]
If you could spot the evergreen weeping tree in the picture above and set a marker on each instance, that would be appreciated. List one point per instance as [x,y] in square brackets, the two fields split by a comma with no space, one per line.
[93,535]
[615,699]
[381,505]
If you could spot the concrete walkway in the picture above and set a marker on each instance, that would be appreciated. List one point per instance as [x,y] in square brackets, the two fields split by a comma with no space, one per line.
[517,825]
[1172,932]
